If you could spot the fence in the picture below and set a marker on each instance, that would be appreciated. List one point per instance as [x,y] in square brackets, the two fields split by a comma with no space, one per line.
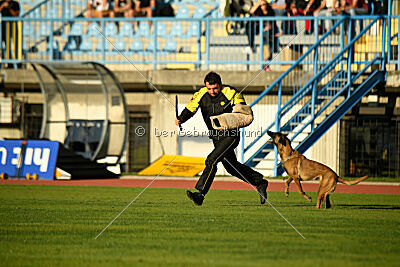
[191,43]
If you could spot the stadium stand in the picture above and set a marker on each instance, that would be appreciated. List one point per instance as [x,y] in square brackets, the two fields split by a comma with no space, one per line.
[64,22]
[126,30]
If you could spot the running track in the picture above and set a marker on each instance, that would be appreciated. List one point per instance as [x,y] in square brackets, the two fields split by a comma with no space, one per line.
[227,184]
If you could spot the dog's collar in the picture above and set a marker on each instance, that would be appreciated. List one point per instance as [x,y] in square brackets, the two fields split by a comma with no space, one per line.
[283,162]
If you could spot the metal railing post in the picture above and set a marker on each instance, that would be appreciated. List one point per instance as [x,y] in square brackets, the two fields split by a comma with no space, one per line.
[155,25]
[314,85]
[198,45]
[341,42]
[261,29]
[383,63]
[51,40]
[349,54]
[207,43]
[389,26]
[277,126]
[103,40]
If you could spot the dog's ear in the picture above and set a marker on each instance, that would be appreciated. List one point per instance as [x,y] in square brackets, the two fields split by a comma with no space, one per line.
[282,140]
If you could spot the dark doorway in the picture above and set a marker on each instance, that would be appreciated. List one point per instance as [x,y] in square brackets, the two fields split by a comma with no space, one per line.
[33,115]
[139,137]
[370,146]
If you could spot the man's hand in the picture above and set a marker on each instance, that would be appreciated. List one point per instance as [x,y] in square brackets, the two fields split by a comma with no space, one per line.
[4,5]
[177,122]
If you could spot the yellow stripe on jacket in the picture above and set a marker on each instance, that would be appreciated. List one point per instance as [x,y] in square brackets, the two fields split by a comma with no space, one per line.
[194,103]
[231,93]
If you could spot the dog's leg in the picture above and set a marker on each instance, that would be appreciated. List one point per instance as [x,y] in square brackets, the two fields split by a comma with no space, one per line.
[327,201]
[297,181]
[287,183]
[326,185]
[320,198]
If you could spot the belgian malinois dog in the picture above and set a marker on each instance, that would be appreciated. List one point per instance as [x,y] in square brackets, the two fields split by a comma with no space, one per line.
[298,167]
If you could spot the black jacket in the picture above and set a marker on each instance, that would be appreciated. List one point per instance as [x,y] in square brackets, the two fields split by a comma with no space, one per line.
[211,106]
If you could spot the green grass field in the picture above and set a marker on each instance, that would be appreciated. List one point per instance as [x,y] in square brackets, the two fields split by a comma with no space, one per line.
[56,226]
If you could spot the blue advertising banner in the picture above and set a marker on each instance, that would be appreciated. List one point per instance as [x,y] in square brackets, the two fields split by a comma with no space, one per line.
[20,157]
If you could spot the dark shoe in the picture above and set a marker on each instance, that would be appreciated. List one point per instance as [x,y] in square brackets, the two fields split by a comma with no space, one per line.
[196,197]
[262,191]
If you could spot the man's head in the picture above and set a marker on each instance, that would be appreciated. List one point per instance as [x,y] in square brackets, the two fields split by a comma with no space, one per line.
[213,83]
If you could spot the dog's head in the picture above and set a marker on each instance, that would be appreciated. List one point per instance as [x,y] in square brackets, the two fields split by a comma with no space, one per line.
[278,139]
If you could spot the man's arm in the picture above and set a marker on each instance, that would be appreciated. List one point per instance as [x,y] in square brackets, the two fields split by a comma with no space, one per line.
[353,5]
[191,107]
[137,6]
[233,96]
[184,117]
[323,4]
[309,6]
[116,6]
[3,5]
[104,5]
[254,8]
[127,6]
[239,99]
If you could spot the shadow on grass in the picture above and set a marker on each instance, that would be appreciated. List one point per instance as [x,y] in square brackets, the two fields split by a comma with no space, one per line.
[369,207]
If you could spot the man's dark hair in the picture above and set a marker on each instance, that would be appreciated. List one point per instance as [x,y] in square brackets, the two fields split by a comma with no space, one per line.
[212,78]
[14,6]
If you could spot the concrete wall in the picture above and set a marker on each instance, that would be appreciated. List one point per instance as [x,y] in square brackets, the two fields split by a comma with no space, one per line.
[138,91]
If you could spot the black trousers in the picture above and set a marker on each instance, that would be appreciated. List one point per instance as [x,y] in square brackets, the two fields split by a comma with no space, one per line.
[224,152]
[252,29]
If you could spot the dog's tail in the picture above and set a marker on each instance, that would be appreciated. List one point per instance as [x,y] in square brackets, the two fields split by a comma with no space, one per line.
[352,182]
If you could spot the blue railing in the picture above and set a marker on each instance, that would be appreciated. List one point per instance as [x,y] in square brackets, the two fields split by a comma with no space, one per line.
[193,43]
[310,98]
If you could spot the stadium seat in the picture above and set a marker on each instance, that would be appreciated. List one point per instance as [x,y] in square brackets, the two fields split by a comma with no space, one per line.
[55,45]
[143,30]
[161,29]
[28,29]
[24,48]
[182,2]
[200,12]
[93,30]
[183,12]
[170,46]
[86,45]
[51,13]
[111,29]
[136,46]
[36,14]
[68,13]
[176,30]
[117,48]
[192,31]
[213,3]
[76,29]
[126,29]
[70,45]
[44,29]
[149,49]
[103,43]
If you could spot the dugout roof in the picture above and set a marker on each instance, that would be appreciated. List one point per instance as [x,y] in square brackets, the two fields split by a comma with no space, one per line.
[84,108]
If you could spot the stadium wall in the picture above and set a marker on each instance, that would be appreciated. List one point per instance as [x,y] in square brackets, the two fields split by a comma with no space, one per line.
[24,87]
